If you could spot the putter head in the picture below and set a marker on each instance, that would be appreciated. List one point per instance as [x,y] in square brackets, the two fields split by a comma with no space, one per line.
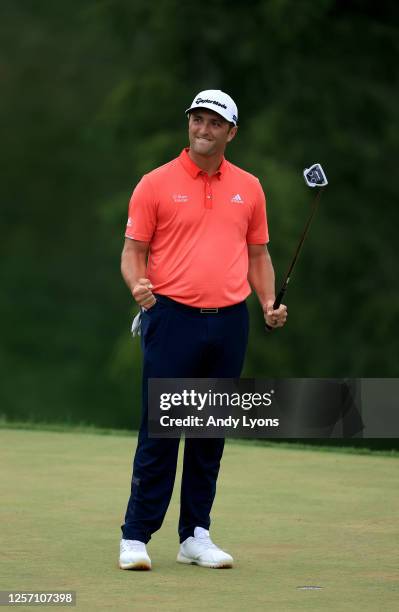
[315,176]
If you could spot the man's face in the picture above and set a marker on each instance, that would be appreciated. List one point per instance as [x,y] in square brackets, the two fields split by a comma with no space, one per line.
[208,132]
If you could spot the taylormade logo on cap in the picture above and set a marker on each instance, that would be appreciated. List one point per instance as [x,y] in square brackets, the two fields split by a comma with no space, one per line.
[201,101]
[218,101]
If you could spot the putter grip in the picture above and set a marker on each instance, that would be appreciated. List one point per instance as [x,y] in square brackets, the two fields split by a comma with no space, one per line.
[277,303]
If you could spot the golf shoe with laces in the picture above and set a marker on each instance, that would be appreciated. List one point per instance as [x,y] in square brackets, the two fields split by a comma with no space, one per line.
[200,550]
[133,556]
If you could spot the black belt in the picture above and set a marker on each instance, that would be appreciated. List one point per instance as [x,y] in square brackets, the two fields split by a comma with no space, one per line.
[192,309]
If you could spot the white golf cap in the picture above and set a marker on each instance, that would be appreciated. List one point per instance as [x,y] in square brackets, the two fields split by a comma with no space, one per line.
[218,101]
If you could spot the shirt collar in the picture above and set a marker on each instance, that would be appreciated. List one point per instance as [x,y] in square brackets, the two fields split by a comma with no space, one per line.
[192,167]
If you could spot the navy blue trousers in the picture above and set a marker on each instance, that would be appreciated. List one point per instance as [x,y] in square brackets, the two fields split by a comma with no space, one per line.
[180,342]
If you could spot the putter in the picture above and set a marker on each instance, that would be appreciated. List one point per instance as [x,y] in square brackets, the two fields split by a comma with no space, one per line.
[314,177]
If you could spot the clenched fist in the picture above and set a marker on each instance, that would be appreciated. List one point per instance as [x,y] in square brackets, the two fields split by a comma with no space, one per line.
[275,318]
[142,293]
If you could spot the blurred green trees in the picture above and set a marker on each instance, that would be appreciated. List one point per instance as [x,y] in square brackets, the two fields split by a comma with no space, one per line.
[93,95]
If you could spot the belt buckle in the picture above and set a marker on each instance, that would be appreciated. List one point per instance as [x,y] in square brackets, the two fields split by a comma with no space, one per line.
[209,310]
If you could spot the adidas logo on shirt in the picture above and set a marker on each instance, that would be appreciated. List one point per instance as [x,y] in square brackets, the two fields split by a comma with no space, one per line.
[237,199]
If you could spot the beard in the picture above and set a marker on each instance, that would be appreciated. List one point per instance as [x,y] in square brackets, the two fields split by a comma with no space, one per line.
[203,147]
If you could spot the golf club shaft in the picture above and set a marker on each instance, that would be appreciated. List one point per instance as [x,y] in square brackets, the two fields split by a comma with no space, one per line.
[281,293]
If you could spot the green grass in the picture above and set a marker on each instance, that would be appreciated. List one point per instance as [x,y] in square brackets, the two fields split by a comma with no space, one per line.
[378,447]
[289,517]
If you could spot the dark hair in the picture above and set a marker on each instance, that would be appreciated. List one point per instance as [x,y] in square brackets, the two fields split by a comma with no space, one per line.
[192,110]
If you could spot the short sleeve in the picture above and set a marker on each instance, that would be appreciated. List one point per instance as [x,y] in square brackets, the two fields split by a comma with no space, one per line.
[142,212]
[258,232]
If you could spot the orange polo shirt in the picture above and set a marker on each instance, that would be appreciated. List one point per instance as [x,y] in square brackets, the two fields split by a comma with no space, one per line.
[198,228]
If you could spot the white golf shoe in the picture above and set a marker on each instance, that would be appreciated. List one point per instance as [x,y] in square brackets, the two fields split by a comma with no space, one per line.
[133,556]
[200,550]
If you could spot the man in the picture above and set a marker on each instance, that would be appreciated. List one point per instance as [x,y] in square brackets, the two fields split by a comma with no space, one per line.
[195,236]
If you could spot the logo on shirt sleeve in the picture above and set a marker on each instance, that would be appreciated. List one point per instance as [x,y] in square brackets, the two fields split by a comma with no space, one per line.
[237,199]
[129,222]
